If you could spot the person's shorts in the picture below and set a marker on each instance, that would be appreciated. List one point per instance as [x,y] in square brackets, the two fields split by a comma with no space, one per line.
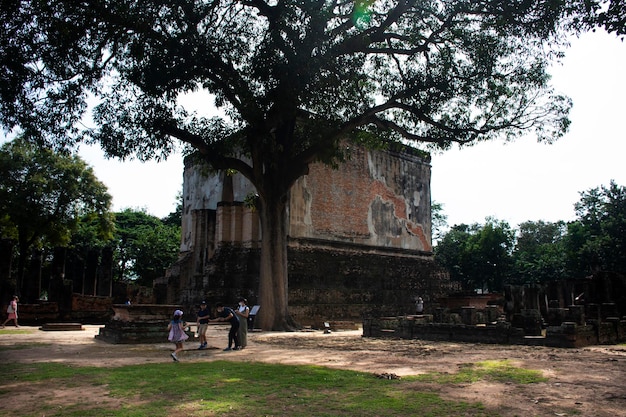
[202,328]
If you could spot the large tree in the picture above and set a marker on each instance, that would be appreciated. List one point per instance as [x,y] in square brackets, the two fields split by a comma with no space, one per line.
[292,77]
[43,197]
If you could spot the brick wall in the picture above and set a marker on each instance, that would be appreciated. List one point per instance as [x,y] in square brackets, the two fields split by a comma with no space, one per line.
[360,239]
[338,282]
[375,198]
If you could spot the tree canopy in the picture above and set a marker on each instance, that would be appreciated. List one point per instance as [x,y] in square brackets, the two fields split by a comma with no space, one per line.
[540,251]
[478,256]
[540,254]
[607,14]
[44,195]
[144,246]
[292,78]
[599,236]
[296,73]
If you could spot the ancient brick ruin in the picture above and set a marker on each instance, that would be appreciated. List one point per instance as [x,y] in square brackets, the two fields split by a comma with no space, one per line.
[570,313]
[359,239]
[359,252]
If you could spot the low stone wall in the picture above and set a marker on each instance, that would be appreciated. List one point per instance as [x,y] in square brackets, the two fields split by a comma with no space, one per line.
[84,309]
[410,328]
[91,309]
[37,314]
[571,335]
[120,332]
[567,335]
[139,323]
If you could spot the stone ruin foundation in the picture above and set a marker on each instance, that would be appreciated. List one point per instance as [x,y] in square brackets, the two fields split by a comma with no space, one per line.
[138,323]
[595,313]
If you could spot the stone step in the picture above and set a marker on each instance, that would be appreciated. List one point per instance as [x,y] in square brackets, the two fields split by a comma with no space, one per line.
[61,327]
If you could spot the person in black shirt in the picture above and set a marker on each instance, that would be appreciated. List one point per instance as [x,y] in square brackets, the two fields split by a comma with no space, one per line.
[227,314]
[202,323]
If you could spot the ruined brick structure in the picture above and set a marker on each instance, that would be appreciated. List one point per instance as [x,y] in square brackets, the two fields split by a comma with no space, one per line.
[566,313]
[359,239]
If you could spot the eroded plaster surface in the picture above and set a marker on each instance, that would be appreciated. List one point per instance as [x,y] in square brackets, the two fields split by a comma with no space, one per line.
[376,198]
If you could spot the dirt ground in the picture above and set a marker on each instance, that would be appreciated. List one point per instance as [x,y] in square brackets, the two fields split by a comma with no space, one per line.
[587,381]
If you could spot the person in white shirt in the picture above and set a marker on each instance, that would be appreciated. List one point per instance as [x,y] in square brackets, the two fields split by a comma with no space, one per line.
[243,312]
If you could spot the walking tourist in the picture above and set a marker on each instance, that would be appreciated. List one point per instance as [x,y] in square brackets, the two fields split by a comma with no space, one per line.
[177,333]
[12,312]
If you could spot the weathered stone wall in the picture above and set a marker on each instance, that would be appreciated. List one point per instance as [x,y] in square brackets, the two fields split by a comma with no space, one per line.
[36,314]
[359,239]
[82,308]
[375,198]
[327,283]
[91,309]
[567,335]
[203,191]
[344,282]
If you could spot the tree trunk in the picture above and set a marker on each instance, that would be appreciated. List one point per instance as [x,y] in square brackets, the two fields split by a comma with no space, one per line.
[7,279]
[273,283]
[22,260]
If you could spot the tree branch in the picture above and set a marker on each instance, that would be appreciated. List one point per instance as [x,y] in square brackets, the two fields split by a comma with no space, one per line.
[215,159]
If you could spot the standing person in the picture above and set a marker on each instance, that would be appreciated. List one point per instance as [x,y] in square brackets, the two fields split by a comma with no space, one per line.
[419,305]
[202,323]
[12,312]
[177,333]
[243,312]
[227,314]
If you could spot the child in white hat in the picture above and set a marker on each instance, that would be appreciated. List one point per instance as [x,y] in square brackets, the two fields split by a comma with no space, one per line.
[177,333]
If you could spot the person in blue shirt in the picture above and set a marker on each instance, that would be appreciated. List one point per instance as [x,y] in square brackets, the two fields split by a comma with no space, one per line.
[227,314]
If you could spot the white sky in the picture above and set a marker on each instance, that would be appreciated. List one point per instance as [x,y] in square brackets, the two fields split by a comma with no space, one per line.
[525,180]
[515,182]
[151,186]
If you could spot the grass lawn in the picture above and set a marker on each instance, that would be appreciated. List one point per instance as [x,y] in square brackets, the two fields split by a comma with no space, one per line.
[251,389]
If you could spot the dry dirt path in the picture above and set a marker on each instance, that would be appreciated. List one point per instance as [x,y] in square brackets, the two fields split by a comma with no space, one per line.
[584,382]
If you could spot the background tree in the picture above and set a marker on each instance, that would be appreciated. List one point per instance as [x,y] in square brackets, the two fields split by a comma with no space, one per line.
[439,220]
[542,251]
[540,254]
[175,218]
[597,240]
[294,79]
[478,256]
[144,246]
[43,196]
[451,253]
[607,14]
[490,253]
